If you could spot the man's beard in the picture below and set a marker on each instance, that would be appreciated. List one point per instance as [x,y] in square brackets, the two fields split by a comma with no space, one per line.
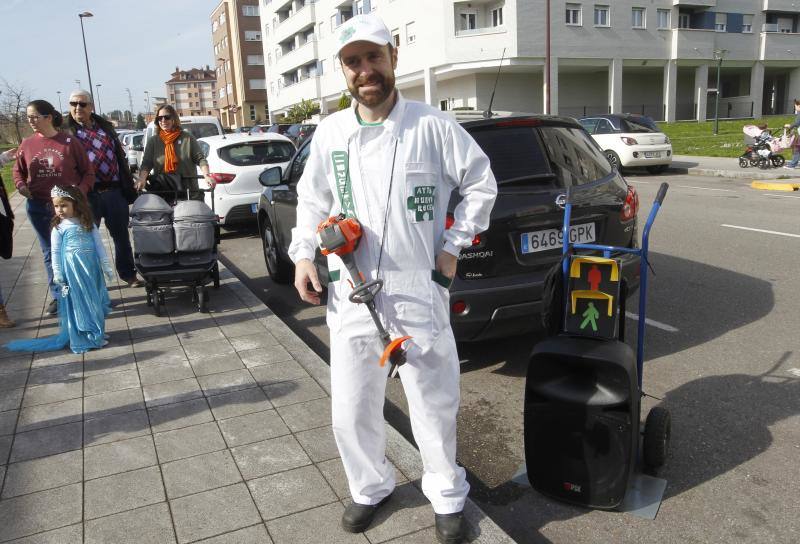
[373,99]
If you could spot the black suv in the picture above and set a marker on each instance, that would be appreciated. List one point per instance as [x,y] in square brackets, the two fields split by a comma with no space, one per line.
[498,288]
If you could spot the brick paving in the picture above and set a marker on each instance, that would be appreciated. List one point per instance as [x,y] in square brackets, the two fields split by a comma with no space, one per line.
[186,428]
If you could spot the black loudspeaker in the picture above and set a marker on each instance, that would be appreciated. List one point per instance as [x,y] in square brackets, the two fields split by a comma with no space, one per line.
[582,420]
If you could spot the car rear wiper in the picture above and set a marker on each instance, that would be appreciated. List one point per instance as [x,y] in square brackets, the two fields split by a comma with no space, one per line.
[523,179]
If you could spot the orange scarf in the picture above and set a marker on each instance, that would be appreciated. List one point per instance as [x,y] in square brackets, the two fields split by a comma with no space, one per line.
[170,158]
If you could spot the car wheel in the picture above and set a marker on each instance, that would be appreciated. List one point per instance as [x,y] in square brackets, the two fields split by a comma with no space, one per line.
[613,159]
[657,169]
[279,270]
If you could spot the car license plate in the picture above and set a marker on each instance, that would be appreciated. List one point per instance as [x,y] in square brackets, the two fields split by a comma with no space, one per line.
[254,208]
[652,154]
[542,240]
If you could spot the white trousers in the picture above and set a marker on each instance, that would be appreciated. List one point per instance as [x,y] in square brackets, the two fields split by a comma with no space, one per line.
[431,384]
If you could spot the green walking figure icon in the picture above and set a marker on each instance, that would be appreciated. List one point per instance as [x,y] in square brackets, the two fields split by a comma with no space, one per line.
[591,314]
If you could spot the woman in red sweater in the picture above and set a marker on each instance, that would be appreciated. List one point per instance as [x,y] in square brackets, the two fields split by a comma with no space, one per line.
[46,159]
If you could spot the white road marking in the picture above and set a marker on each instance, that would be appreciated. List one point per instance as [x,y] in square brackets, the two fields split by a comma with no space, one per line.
[773,195]
[705,188]
[762,230]
[795,371]
[639,181]
[652,323]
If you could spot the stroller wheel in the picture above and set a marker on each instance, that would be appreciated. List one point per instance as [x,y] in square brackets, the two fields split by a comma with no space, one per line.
[753,162]
[202,300]
[763,164]
[777,160]
[743,162]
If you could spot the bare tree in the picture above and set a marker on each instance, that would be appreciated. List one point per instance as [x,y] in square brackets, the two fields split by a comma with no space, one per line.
[13,99]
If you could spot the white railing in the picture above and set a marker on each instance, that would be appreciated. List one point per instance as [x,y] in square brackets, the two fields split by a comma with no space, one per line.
[480,31]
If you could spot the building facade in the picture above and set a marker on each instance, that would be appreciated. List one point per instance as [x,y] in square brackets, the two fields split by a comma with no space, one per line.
[239,60]
[657,57]
[191,92]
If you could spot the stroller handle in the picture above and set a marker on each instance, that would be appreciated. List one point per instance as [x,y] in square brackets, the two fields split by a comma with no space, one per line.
[662,192]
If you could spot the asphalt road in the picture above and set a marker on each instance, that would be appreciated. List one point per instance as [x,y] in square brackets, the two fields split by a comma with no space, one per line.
[722,352]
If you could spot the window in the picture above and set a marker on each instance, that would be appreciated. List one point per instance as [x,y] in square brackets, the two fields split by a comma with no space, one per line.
[664,19]
[497,16]
[468,20]
[214,26]
[256,153]
[638,18]
[358,7]
[574,14]
[683,20]
[333,23]
[250,11]
[258,83]
[252,35]
[747,24]
[321,68]
[396,37]
[411,33]
[319,31]
[255,60]
[574,158]
[443,105]
[222,18]
[230,88]
[721,22]
[601,16]
[252,112]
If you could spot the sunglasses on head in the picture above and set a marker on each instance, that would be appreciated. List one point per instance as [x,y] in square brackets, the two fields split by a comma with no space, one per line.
[76,104]
[163,118]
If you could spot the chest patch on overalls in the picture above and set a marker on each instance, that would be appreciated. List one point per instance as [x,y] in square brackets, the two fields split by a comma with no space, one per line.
[420,204]
[341,172]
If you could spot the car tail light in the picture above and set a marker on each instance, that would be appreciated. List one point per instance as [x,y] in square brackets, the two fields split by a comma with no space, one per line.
[629,141]
[222,178]
[631,206]
[459,307]
[666,139]
[448,222]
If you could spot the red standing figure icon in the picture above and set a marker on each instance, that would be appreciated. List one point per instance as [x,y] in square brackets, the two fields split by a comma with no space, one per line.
[594,278]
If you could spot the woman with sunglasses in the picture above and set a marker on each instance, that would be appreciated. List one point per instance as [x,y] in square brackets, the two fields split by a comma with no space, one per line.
[173,151]
[44,160]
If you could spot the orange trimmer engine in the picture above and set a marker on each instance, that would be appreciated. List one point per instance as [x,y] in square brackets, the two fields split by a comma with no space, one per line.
[340,235]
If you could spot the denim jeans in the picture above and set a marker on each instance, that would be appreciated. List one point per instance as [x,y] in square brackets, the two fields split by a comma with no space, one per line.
[795,157]
[40,214]
[112,206]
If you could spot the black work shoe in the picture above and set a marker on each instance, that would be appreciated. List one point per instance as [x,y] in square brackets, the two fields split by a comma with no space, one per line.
[450,528]
[52,308]
[357,517]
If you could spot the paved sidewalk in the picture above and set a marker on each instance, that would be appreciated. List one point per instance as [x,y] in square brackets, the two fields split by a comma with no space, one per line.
[729,168]
[189,427]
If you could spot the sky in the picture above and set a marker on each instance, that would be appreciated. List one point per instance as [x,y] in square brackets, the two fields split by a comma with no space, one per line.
[133,44]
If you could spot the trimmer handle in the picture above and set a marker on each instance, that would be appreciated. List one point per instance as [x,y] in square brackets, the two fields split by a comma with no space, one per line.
[366,292]
[662,192]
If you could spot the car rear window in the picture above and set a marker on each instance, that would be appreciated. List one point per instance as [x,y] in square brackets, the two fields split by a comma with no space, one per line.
[576,158]
[514,152]
[201,130]
[254,153]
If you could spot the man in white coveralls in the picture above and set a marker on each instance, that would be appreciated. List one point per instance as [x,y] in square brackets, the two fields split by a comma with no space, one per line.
[392,164]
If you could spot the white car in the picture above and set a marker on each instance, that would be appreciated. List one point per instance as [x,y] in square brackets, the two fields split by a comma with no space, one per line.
[133,145]
[235,161]
[630,140]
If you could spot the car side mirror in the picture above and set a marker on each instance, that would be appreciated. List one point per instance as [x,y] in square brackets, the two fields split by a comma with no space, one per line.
[271,177]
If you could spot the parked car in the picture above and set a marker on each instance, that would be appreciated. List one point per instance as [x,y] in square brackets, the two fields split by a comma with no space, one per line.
[498,288]
[300,132]
[134,149]
[235,161]
[245,130]
[278,128]
[630,140]
[199,125]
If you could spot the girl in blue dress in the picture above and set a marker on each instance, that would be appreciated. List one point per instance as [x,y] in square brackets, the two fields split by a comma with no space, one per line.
[79,264]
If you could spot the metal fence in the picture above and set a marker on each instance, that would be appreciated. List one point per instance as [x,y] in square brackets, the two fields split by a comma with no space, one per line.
[729,110]
[582,111]
[653,111]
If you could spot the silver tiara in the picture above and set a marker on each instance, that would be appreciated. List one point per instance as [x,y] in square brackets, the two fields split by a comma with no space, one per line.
[59,192]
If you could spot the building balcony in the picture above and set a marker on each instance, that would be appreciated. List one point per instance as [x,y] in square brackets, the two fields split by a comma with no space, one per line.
[779,46]
[305,89]
[302,19]
[737,46]
[690,43]
[787,6]
[695,3]
[297,57]
[481,31]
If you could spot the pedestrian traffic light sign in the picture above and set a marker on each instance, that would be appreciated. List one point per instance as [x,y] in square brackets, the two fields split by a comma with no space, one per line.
[593,297]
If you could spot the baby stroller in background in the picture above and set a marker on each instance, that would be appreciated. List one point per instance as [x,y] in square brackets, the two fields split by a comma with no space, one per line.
[763,149]
[175,246]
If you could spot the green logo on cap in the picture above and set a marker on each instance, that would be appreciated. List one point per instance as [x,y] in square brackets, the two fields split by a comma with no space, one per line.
[346,34]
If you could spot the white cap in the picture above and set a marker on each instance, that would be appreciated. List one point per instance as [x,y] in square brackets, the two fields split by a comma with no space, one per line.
[368,28]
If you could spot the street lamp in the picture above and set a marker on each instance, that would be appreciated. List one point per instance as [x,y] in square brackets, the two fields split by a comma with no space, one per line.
[78,83]
[147,99]
[85,54]
[59,102]
[99,109]
[227,98]
[718,55]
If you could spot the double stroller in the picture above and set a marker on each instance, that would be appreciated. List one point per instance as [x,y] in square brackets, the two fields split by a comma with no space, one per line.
[175,247]
[763,149]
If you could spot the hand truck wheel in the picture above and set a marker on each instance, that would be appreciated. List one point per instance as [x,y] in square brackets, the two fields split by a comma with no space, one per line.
[657,432]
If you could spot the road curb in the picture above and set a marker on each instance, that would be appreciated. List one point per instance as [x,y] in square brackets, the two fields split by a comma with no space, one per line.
[480,527]
[773,186]
[737,174]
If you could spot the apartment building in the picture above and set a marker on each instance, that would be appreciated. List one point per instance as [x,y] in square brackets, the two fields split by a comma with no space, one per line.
[191,92]
[238,50]
[657,57]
